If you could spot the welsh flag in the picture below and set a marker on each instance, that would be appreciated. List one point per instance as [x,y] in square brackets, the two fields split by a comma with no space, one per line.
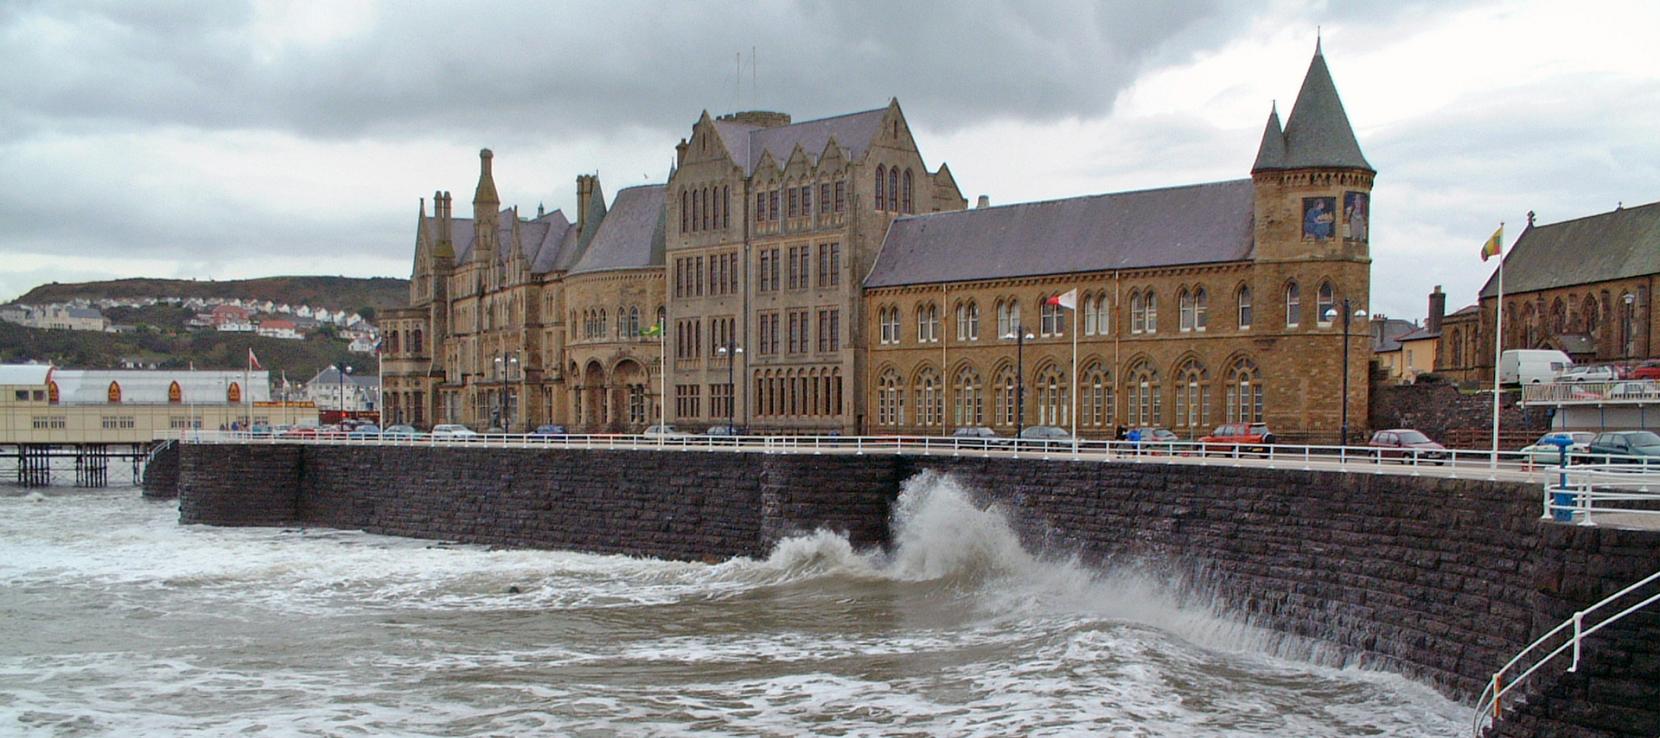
[1068,299]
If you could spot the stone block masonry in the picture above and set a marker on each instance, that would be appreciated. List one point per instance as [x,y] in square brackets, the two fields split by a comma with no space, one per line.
[1443,580]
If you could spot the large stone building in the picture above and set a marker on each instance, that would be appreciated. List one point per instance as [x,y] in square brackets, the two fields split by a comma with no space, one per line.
[817,277]
[1583,286]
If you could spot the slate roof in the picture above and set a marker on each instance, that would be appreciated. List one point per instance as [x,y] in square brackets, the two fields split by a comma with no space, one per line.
[331,376]
[631,235]
[1596,248]
[1193,224]
[1386,337]
[746,142]
[1317,133]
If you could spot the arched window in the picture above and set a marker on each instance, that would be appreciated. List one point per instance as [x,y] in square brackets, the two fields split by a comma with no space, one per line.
[1325,301]
[1095,406]
[1138,312]
[1007,395]
[890,325]
[893,189]
[420,341]
[890,400]
[1091,325]
[1151,322]
[1192,397]
[392,343]
[685,209]
[1293,305]
[881,177]
[1184,303]
[970,324]
[1201,309]
[1141,390]
[1455,349]
[1244,399]
[907,192]
[1244,300]
[599,331]
[633,321]
[930,398]
[1051,322]
[1628,324]
[927,323]
[1558,317]
[1052,402]
[1008,318]
[1530,326]
[1592,324]
[970,400]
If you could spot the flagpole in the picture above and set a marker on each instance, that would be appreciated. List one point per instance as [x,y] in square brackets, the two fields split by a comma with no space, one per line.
[248,391]
[1498,350]
[1074,379]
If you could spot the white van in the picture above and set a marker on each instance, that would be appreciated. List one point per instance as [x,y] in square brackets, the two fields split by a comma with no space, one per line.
[1531,366]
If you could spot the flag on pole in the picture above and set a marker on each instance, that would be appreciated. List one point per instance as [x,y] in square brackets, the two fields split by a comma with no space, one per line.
[1068,300]
[656,330]
[253,361]
[1494,245]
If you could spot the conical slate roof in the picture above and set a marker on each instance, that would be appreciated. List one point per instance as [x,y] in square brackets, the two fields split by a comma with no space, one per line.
[1271,154]
[1317,133]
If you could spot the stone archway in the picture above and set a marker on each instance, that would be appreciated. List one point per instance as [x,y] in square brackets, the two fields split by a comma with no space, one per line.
[591,400]
[630,392]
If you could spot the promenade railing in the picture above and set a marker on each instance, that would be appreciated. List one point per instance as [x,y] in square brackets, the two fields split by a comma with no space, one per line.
[1583,493]
[1436,462]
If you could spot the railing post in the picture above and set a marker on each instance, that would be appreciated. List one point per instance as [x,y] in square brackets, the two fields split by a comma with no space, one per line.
[1579,617]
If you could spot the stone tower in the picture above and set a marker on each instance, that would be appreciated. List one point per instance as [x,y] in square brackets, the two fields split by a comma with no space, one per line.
[486,204]
[1313,186]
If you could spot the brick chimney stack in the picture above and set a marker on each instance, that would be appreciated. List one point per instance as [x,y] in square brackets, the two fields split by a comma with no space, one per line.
[1437,310]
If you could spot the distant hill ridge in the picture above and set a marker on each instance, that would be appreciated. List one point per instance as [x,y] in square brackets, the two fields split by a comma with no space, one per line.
[336,293]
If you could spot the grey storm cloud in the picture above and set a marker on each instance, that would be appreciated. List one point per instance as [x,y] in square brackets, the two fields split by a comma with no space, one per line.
[556,68]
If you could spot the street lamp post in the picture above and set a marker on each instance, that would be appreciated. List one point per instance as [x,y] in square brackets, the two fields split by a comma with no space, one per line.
[731,352]
[1020,337]
[340,372]
[1347,314]
[504,365]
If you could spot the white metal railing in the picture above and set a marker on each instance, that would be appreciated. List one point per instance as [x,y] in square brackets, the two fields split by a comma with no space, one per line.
[1578,493]
[1443,463]
[1632,391]
[1491,704]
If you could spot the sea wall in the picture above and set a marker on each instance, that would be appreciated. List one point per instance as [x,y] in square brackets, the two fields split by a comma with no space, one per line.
[1443,580]
[161,473]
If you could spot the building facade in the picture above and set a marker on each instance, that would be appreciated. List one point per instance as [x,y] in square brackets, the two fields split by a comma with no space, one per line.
[817,276]
[1583,286]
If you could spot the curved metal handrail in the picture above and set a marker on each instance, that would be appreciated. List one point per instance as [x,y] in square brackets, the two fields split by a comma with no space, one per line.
[1489,707]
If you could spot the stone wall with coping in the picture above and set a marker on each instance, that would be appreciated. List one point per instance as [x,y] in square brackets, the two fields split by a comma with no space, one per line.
[1443,580]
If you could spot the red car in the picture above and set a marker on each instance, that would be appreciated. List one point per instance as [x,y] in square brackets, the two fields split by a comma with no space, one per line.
[1406,443]
[1227,437]
[1648,370]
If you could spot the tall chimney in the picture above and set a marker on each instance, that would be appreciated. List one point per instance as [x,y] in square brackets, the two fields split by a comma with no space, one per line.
[983,202]
[584,192]
[1437,310]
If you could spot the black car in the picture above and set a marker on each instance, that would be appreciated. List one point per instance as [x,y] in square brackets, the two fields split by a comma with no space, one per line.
[1644,445]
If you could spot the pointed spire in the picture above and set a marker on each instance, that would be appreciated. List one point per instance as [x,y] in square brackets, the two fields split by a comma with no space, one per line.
[1317,133]
[1271,152]
[485,195]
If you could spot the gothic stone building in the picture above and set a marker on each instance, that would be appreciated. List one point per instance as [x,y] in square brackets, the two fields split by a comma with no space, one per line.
[1583,286]
[1197,304]
[816,277]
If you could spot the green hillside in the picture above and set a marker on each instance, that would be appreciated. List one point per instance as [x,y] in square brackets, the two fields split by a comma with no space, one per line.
[335,293]
[169,348]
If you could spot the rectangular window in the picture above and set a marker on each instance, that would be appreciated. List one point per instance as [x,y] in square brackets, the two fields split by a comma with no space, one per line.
[772,205]
[686,400]
[841,196]
[794,202]
[807,200]
[760,207]
[823,197]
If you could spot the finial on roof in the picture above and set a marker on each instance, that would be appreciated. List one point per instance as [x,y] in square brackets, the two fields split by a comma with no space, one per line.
[539,210]
[423,207]
[1316,40]
[1530,218]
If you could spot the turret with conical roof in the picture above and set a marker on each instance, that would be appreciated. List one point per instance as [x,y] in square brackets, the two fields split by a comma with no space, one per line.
[1313,186]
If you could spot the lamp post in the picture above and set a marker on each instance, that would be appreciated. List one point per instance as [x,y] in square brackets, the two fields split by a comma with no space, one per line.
[340,372]
[504,367]
[1020,337]
[1347,314]
[730,352]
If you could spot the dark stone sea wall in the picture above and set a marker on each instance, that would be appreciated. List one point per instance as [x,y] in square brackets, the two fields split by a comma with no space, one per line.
[1443,580]
[161,472]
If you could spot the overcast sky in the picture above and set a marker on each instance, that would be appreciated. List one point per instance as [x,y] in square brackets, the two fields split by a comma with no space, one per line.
[225,140]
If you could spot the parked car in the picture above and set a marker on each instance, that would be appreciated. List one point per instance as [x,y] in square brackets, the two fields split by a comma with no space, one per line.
[1406,444]
[664,431]
[363,431]
[1640,444]
[1044,437]
[453,431]
[1588,374]
[978,436]
[724,431]
[400,431]
[1632,390]
[299,431]
[1254,436]
[1646,370]
[549,430]
[1157,435]
[1543,451]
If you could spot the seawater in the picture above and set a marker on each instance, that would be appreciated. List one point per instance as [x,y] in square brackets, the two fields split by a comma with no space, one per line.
[119,621]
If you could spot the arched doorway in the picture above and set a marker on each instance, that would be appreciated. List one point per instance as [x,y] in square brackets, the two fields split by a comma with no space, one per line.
[630,392]
[591,400]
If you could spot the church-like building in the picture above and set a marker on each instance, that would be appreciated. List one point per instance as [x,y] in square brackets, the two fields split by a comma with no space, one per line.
[818,277]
